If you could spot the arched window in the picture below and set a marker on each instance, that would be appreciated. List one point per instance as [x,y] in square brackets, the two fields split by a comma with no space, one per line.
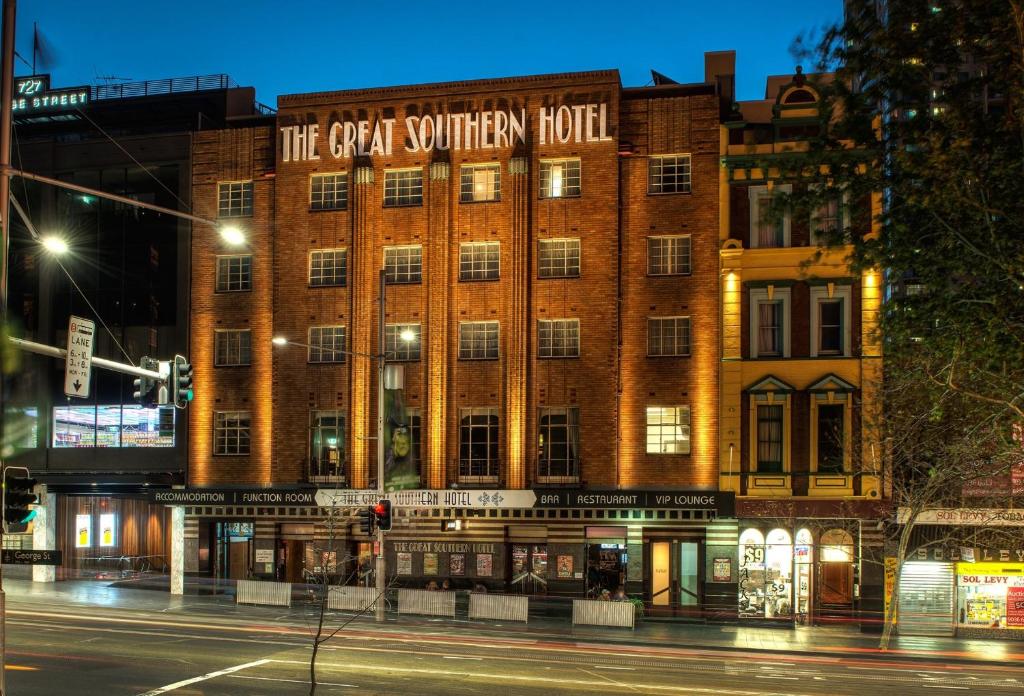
[800,96]
[837,546]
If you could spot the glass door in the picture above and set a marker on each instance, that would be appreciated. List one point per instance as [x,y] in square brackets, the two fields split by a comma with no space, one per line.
[689,574]
[530,568]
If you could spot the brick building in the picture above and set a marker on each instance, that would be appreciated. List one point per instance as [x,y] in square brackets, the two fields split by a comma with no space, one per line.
[550,246]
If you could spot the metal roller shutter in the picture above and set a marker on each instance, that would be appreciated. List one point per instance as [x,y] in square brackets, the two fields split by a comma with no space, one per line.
[927,599]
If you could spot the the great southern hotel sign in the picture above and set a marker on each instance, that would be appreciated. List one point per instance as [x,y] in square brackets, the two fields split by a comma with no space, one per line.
[472,130]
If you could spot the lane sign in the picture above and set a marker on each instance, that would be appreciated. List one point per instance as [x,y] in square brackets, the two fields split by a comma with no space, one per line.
[78,365]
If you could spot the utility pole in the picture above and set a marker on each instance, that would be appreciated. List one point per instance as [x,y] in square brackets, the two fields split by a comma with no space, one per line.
[381,360]
[6,108]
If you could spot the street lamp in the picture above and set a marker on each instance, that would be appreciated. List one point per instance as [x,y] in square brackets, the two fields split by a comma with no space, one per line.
[54,245]
[232,234]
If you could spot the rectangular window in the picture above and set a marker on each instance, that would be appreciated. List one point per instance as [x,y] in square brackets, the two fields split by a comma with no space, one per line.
[234,273]
[769,329]
[830,327]
[327,267]
[558,338]
[668,255]
[668,430]
[112,426]
[769,230]
[328,191]
[478,443]
[403,264]
[231,432]
[234,199]
[480,182]
[668,174]
[668,336]
[831,437]
[478,260]
[326,445]
[232,347]
[558,445]
[478,340]
[559,258]
[403,187]
[402,341]
[326,344]
[413,421]
[560,178]
[826,222]
[769,438]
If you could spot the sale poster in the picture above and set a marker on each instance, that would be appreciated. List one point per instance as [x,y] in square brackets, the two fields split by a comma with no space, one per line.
[83,531]
[565,566]
[721,570]
[1015,607]
[107,530]
[405,564]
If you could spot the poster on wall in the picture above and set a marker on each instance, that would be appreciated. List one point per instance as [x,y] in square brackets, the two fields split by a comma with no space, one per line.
[721,570]
[405,564]
[430,564]
[457,563]
[83,531]
[1015,607]
[565,566]
[484,565]
[401,460]
[107,533]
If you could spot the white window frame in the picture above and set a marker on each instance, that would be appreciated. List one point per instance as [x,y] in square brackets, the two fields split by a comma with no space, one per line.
[783,295]
[337,202]
[403,274]
[228,348]
[475,260]
[562,270]
[244,195]
[755,193]
[819,294]
[684,187]
[317,353]
[241,433]
[549,331]
[548,182]
[398,350]
[224,269]
[474,176]
[771,398]
[341,252]
[675,332]
[657,435]
[473,353]
[671,241]
[397,192]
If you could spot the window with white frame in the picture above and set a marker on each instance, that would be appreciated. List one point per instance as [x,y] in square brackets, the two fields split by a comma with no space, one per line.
[395,344]
[480,182]
[328,191]
[234,273]
[560,178]
[326,444]
[668,174]
[768,229]
[234,199]
[326,344]
[830,219]
[668,430]
[770,434]
[668,336]
[478,340]
[403,187]
[478,443]
[668,255]
[559,258]
[558,444]
[830,320]
[403,264]
[327,267]
[231,432]
[479,260]
[830,432]
[558,338]
[769,322]
[232,347]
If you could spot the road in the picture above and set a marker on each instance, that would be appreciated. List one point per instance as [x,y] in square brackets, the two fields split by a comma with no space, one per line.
[85,650]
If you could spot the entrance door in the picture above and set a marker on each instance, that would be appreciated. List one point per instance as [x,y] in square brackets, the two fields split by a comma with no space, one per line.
[238,558]
[689,574]
[294,558]
[529,568]
[927,599]
[661,573]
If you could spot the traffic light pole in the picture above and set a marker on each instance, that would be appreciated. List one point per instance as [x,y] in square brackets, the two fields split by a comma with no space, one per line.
[381,359]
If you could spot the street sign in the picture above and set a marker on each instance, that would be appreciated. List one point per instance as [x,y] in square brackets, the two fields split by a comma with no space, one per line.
[78,365]
[33,557]
[440,498]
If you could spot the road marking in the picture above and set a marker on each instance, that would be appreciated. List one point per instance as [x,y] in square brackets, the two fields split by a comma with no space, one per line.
[609,679]
[460,657]
[627,669]
[21,668]
[940,686]
[774,676]
[292,681]
[209,675]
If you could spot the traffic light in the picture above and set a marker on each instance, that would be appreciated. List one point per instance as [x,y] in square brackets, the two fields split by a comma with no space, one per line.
[181,381]
[147,389]
[382,512]
[367,521]
[17,496]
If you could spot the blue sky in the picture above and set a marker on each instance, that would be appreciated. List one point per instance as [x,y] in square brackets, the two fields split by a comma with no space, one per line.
[287,46]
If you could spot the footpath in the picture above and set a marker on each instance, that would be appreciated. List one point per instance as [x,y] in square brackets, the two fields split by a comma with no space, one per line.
[837,642]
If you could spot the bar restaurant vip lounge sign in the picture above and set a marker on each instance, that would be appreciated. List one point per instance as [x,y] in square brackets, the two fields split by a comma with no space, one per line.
[472,130]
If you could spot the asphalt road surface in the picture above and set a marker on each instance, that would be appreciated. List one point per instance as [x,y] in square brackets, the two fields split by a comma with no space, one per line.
[84,650]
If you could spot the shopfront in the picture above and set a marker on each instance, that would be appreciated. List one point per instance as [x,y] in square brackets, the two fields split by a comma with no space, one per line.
[990,599]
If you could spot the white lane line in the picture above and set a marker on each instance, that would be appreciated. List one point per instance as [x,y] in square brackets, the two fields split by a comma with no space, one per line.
[609,679]
[210,675]
[292,681]
[461,657]
[941,686]
[624,669]
[774,676]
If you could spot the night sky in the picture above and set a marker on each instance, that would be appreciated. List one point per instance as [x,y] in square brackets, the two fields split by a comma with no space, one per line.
[289,47]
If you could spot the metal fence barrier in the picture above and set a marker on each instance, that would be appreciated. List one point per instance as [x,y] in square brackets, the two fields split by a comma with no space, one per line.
[598,613]
[349,598]
[426,602]
[259,592]
[500,607]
